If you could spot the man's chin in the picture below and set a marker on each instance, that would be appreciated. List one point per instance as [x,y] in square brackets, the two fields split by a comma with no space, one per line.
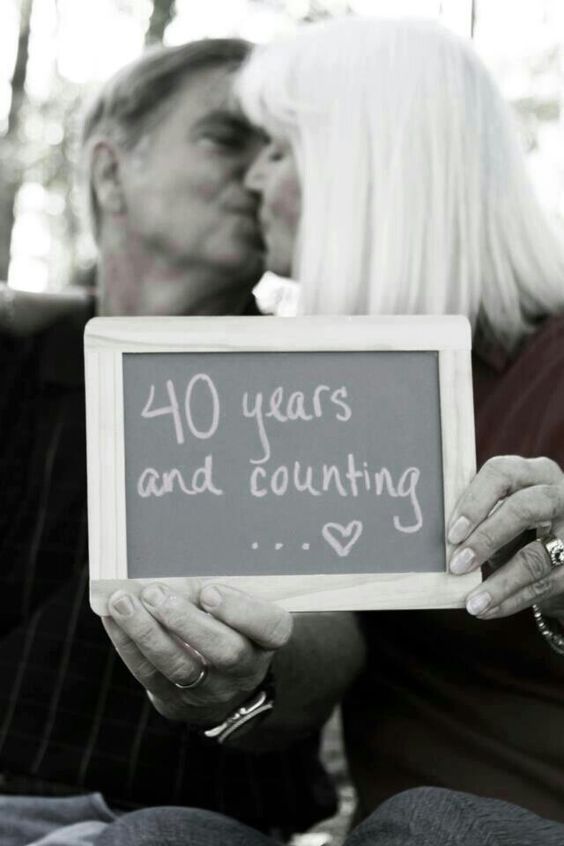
[245,229]
[242,256]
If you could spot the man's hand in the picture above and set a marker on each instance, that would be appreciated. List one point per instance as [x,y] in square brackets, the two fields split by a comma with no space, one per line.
[165,638]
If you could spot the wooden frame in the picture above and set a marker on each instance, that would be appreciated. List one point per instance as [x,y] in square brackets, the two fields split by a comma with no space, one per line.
[107,339]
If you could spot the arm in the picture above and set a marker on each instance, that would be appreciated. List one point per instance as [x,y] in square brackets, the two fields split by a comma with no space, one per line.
[314,657]
[322,659]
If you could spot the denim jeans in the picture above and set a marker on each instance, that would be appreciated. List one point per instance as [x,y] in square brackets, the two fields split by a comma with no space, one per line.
[53,821]
[422,817]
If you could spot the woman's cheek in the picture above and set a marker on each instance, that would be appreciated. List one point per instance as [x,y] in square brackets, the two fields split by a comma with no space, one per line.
[286,202]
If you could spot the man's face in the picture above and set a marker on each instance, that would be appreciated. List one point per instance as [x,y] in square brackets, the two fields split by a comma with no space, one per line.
[183,182]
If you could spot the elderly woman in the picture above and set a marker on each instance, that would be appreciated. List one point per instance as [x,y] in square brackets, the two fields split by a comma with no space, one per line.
[393,183]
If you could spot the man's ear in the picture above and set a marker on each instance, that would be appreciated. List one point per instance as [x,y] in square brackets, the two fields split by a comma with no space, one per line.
[106,177]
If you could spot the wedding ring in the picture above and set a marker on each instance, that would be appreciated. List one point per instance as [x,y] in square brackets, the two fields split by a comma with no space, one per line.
[203,668]
[197,682]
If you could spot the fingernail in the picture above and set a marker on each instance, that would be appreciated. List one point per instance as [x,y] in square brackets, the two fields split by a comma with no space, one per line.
[211,597]
[122,604]
[153,595]
[459,530]
[463,561]
[477,604]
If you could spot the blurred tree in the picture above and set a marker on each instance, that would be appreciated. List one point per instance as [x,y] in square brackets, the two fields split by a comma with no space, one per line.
[162,14]
[48,241]
[11,171]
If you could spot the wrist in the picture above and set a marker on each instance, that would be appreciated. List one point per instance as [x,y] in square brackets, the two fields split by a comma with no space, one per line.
[247,715]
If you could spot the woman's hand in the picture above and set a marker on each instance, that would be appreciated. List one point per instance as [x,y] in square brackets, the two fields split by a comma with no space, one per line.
[508,496]
[166,640]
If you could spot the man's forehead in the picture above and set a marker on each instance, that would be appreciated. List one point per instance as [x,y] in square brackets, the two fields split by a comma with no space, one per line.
[204,101]
[215,102]
[213,90]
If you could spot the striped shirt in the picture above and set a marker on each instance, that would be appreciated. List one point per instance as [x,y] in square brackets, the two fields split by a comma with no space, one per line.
[72,718]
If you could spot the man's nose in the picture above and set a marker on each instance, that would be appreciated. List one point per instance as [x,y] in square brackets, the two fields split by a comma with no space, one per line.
[254,177]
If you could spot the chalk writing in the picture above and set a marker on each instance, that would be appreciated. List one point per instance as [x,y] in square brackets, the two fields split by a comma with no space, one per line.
[345,481]
[174,408]
[342,538]
[153,483]
[196,411]
[291,409]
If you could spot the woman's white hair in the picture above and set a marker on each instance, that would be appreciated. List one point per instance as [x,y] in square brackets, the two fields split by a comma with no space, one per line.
[415,197]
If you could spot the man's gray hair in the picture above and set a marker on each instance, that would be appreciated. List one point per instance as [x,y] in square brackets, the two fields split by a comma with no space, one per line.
[132,102]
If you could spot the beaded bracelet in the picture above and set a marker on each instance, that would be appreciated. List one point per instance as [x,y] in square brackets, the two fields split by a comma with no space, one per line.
[552,637]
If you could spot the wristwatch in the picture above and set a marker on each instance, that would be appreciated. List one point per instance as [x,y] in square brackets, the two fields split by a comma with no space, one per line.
[257,705]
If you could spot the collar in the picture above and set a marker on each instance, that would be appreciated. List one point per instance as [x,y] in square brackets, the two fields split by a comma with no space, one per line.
[61,349]
[61,346]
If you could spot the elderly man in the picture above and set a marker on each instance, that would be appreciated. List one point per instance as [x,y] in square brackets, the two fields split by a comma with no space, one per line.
[176,228]
[166,153]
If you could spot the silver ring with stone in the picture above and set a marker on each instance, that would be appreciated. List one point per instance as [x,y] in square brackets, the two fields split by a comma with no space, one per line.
[554,548]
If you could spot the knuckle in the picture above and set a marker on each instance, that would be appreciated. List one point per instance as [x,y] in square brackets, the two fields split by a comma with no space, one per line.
[521,465]
[543,587]
[173,611]
[521,509]
[234,655]
[500,467]
[554,497]
[547,467]
[535,563]
[484,541]
[491,473]
[495,465]
[145,635]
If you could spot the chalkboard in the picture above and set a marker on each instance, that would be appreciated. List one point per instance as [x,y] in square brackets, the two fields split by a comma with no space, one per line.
[311,460]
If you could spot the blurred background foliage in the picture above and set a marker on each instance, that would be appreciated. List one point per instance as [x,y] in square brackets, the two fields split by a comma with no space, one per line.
[53,53]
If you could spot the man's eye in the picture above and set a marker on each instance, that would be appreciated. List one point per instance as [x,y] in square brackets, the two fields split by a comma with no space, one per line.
[226,138]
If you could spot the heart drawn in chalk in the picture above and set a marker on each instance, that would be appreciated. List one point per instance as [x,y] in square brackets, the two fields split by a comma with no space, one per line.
[342,538]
